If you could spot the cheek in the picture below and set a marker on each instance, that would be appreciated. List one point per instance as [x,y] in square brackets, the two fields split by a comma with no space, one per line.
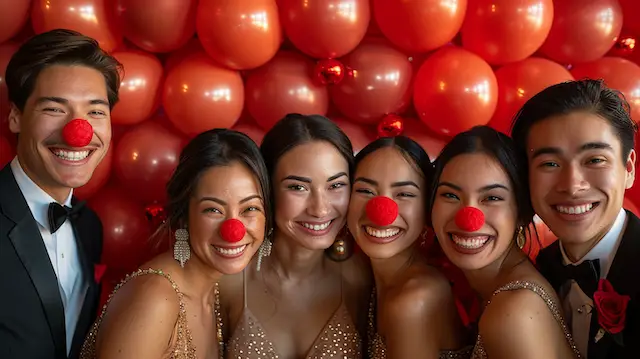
[439,215]
[201,228]
[414,214]
[355,210]
[288,205]
[256,226]
[340,200]
[102,129]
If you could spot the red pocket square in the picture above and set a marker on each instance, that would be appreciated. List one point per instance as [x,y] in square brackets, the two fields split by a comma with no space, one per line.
[98,271]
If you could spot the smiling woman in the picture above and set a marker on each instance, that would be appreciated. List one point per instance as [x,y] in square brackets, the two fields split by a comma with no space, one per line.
[218,206]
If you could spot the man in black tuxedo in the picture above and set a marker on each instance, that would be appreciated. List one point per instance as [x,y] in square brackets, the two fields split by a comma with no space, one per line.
[50,243]
[579,140]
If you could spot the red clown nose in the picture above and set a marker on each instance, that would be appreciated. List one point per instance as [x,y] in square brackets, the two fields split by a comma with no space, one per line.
[382,211]
[469,219]
[77,133]
[232,230]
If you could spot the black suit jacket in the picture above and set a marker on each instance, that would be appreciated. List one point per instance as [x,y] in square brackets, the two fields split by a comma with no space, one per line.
[624,275]
[32,322]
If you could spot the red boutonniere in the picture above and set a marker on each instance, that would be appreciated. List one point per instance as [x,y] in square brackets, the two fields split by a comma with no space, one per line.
[612,311]
[98,271]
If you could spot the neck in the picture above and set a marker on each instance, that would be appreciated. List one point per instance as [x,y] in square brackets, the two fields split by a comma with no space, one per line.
[486,280]
[577,251]
[386,270]
[58,193]
[200,279]
[292,261]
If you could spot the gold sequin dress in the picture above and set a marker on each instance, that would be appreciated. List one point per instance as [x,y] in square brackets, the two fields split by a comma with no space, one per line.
[378,348]
[182,346]
[478,350]
[339,339]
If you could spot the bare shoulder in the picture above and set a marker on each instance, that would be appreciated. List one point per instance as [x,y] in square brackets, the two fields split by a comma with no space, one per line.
[424,290]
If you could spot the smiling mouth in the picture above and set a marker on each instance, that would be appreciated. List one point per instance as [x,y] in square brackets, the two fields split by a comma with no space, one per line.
[576,210]
[318,227]
[70,155]
[382,233]
[230,252]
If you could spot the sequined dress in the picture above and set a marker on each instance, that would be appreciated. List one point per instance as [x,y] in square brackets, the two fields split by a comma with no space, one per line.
[478,350]
[378,348]
[182,346]
[339,339]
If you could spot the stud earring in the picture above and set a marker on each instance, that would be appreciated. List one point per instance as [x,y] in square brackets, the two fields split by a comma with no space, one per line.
[341,249]
[520,238]
[181,249]
[264,250]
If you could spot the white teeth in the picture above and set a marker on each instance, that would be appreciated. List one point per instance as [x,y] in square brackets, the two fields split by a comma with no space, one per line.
[316,227]
[575,209]
[230,251]
[470,242]
[382,233]
[71,155]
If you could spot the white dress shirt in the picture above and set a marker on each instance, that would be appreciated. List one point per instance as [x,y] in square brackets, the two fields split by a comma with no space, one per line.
[578,307]
[61,247]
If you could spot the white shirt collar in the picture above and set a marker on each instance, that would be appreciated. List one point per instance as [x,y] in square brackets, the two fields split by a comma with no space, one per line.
[606,249]
[37,199]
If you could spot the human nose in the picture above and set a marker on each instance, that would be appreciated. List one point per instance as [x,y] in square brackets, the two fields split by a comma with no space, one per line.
[319,206]
[572,180]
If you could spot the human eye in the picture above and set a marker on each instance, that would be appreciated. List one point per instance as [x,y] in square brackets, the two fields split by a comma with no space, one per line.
[296,187]
[338,185]
[212,210]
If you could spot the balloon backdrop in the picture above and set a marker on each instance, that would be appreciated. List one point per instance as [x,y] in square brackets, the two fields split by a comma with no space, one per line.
[420,68]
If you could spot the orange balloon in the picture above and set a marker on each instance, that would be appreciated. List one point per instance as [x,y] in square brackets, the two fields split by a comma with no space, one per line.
[617,73]
[504,31]
[419,132]
[145,159]
[520,81]
[377,82]
[325,28]
[139,89]
[359,135]
[582,30]
[239,34]
[419,25]
[13,17]
[192,47]
[200,95]
[284,85]
[99,178]
[454,91]
[158,25]
[253,131]
[94,18]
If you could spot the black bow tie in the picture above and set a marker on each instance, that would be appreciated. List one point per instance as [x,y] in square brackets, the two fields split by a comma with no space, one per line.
[58,214]
[586,274]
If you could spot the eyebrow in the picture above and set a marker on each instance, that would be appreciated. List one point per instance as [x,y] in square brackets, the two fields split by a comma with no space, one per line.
[557,151]
[223,203]
[394,184]
[308,180]
[64,101]
[482,189]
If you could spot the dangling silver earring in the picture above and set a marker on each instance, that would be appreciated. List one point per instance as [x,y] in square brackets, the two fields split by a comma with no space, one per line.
[181,249]
[264,250]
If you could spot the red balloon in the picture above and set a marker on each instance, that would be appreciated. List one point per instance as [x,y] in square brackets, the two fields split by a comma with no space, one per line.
[617,73]
[254,132]
[537,238]
[193,47]
[139,89]
[6,51]
[284,85]
[124,226]
[377,82]
[418,26]
[158,25]
[239,34]
[504,31]
[13,17]
[631,13]
[7,152]
[520,81]
[200,95]
[94,18]
[630,206]
[391,125]
[327,28]
[329,71]
[582,31]
[359,135]
[419,132]
[99,178]
[145,159]
[454,91]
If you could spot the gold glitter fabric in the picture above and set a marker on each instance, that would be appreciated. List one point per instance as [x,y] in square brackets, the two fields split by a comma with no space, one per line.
[183,347]
[478,350]
[338,340]
[378,349]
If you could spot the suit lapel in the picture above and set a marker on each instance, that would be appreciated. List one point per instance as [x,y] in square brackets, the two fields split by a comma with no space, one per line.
[623,275]
[28,244]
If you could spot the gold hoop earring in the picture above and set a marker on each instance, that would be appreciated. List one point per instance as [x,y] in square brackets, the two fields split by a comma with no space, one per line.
[520,238]
[181,249]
